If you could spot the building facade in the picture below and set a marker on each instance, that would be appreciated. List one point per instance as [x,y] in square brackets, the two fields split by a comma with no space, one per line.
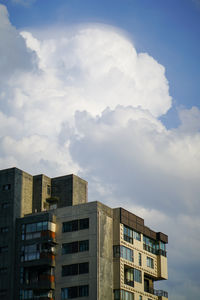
[55,245]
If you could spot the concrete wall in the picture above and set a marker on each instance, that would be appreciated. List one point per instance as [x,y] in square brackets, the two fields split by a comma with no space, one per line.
[73,213]
[105,252]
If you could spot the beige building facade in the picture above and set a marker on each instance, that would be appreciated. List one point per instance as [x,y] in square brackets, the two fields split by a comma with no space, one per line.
[65,247]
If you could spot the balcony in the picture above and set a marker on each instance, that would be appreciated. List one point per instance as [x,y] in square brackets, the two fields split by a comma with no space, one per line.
[159,293]
[41,282]
[45,259]
[154,251]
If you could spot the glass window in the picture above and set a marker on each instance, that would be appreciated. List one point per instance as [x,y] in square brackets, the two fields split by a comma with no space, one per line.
[48,190]
[129,276]
[74,292]
[68,248]
[70,226]
[4,229]
[128,234]
[150,262]
[138,275]
[116,294]
[140,259]
[149,245]
[126,295]
[124,252]
[6,187]
[5,205]
[84,223]
[83,291]
[84,268]
[136,235]
[83,246]
[4,249]
[3,271]
[70,270]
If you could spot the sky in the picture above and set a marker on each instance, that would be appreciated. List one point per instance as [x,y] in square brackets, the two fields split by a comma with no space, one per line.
[110,90]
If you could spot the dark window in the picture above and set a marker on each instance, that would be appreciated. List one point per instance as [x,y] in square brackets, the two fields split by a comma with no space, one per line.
[84,268]
[6,187]
[83,291]
[5,205]
[84,223]
[70,248]
[3,249]
[83,246]
[75,269]
[137,275]
[140,259]
[75,225]
[3,271]
[4,229]
[70,226]
[74,247]
[74,292]
[70,270]
[48,190]
[3,294]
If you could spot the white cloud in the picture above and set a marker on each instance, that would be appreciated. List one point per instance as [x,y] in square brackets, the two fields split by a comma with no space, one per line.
[83,100]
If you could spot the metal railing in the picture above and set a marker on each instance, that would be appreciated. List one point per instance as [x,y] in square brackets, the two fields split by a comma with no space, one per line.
[159,293]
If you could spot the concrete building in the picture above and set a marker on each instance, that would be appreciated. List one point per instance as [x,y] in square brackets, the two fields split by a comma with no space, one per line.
[54,245]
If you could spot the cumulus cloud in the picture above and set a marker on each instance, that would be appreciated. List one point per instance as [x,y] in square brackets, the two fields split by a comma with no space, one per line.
[83,100]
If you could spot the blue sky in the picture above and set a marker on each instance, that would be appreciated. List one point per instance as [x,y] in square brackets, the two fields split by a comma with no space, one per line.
[109,90]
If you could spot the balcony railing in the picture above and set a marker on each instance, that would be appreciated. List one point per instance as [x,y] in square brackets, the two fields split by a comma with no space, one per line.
[159,293]
[154,251]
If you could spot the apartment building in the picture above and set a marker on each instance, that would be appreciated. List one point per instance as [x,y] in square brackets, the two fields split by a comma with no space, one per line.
[55,245]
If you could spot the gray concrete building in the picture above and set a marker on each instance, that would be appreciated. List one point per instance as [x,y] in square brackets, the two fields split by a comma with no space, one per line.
[55,245]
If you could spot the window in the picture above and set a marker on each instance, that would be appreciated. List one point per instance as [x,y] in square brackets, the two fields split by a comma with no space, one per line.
[130,234]
[3,229]
[70,270]
[149,245]
[26,294]
[150,262]
[136,235]
[3,249]
[83,223]
[140,297]
[161,249]
[123,295]
[83,246]
[3,294]
[75,225]
[48,190]
[140,259]
[75,269]
[33,230]
[137,276]
[124,252]
[84,268]
[3,271]
[74,247]
[6,187]
[53,206]
[30,252]
[129,276]
[83,291]
[5,205]
[74,292]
